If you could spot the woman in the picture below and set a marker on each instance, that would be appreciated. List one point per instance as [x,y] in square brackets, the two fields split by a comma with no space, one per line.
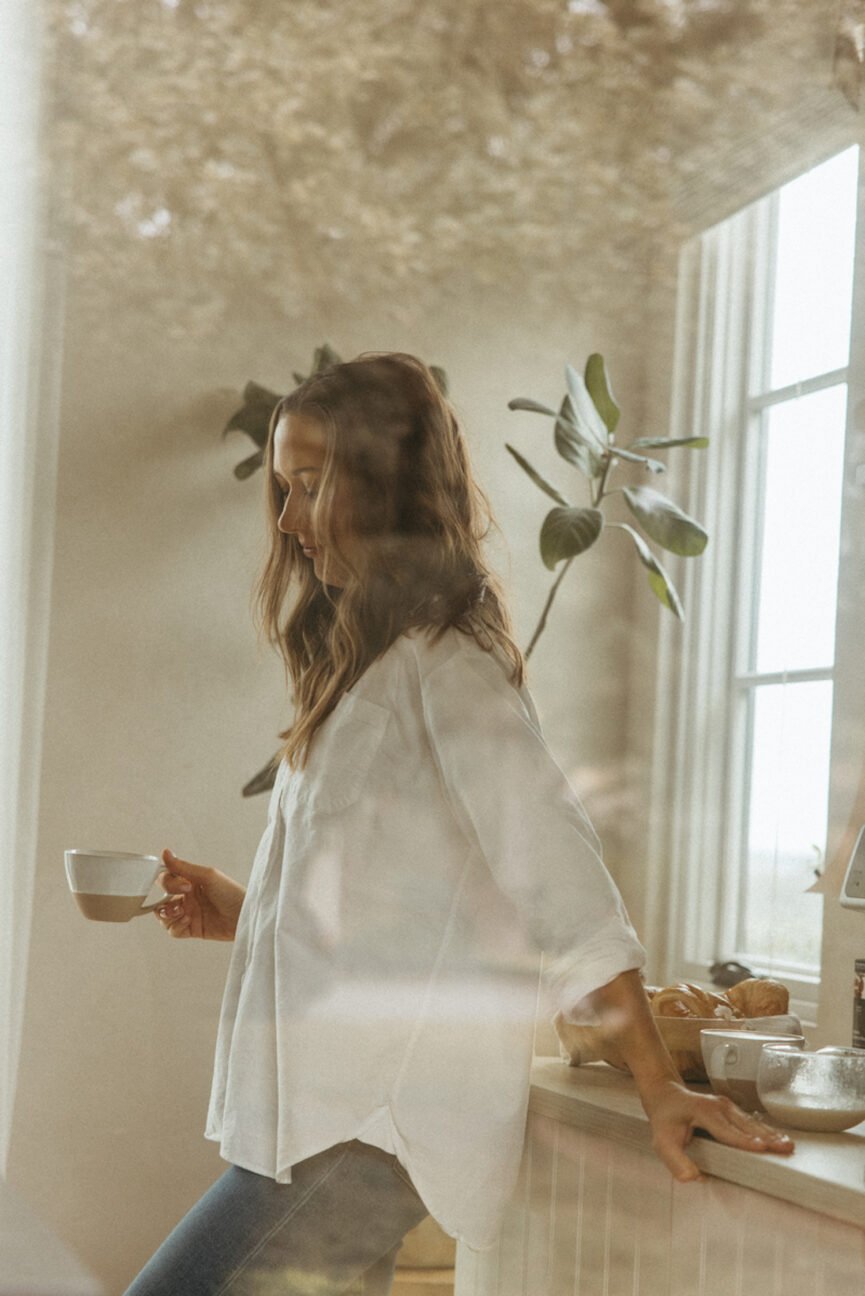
[422,847]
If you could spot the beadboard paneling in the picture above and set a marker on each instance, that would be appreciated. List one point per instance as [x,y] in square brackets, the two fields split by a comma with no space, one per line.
[593,1217]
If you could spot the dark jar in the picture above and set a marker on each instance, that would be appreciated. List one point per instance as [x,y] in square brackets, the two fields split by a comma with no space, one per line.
[859,1003]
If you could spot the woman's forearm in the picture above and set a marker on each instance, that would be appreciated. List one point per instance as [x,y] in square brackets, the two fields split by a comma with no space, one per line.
[626,1021]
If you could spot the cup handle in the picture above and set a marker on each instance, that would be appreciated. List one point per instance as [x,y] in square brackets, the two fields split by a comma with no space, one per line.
[719,1058]
[145,909]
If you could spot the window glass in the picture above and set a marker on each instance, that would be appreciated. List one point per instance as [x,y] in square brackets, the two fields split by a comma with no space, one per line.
[814,271]
[787,816]
[798,573]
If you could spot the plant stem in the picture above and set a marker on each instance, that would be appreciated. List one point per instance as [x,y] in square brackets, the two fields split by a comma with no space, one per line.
[543,621]
[602,484]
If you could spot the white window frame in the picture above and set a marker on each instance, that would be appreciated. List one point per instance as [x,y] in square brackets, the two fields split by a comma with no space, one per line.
[695,851]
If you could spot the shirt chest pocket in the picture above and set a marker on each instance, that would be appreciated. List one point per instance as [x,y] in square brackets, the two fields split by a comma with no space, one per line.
[342,754]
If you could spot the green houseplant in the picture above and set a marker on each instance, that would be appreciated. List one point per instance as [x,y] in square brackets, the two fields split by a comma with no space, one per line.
[585,427]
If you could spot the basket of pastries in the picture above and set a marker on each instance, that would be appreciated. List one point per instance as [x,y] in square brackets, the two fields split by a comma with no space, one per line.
[681,1012]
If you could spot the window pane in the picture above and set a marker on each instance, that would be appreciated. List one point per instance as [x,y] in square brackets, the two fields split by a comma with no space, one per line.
[786,836]
[798,575]
[814,271]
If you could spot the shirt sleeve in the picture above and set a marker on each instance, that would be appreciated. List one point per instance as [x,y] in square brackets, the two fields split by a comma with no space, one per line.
[513,800]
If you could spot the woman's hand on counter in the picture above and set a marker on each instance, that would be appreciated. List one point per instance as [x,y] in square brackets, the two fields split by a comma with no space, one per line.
[207,903]
[675,1112]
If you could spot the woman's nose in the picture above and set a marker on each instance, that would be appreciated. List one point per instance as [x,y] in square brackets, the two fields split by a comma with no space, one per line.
[289,519]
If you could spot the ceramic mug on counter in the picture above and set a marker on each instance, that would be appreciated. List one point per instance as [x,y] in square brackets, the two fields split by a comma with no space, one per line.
[732,1058]
[111,886]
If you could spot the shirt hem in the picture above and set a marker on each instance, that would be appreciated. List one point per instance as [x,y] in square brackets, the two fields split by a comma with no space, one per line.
[374,1126]
[244,1163]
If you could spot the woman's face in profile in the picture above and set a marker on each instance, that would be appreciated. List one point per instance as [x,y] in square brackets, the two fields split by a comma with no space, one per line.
[299,451]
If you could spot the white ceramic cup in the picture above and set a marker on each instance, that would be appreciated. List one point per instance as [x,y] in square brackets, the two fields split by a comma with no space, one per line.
[111,886]
[732,1058]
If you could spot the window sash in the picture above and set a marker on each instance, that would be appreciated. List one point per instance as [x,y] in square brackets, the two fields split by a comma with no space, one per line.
[720,390]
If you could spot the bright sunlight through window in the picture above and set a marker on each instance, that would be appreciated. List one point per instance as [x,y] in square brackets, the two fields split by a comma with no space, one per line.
[786,682]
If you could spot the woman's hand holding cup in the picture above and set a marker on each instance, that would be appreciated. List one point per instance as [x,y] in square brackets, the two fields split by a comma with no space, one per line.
[207,903]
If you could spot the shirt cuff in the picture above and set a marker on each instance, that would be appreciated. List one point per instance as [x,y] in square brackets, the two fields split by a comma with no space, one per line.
[572,977]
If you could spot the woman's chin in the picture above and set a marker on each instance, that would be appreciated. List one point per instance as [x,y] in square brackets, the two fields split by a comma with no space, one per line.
[325,573]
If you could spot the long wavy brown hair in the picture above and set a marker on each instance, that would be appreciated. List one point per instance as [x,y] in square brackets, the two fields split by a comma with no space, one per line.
[419,520]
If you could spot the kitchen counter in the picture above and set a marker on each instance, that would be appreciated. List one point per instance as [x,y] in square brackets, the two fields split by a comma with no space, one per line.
[595,1212]
[826,1173]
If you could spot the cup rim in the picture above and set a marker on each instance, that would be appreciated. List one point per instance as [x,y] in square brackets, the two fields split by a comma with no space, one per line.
[109,854]
[856,1054]
[780,1038]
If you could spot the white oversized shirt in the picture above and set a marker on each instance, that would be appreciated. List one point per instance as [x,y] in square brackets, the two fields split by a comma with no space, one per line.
[385,974]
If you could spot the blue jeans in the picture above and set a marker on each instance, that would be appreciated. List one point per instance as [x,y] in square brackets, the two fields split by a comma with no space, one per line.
[335,1229]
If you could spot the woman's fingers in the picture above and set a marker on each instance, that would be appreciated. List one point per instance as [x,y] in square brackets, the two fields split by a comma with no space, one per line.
[193,873]
[754,1130]
[210,901]
[677,1161]
[174,884]
[669,1139]
[180,877]
[729,1124]
[172,911]
[174,918]
[724,1121]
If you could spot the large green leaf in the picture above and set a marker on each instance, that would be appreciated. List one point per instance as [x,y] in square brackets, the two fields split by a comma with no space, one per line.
[537,478]
[253,417]
[567,532]
[598,387]
[665,522]
[664,443]
[570,442]
[264,780]
[441,379]
[247,467]
[662,586]
[255,394]
[573,446]
[324,357]
[533,406]
[653,465]
[586,417]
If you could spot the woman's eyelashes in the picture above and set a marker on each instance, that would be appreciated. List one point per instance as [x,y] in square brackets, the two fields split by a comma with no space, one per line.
[306,491]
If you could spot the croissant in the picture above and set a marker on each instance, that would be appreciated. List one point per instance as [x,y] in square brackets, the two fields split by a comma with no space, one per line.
[751,998]
[758,998]
[688,1000]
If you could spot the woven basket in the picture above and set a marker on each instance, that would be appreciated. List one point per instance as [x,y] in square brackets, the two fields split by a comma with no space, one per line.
[582,1044]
